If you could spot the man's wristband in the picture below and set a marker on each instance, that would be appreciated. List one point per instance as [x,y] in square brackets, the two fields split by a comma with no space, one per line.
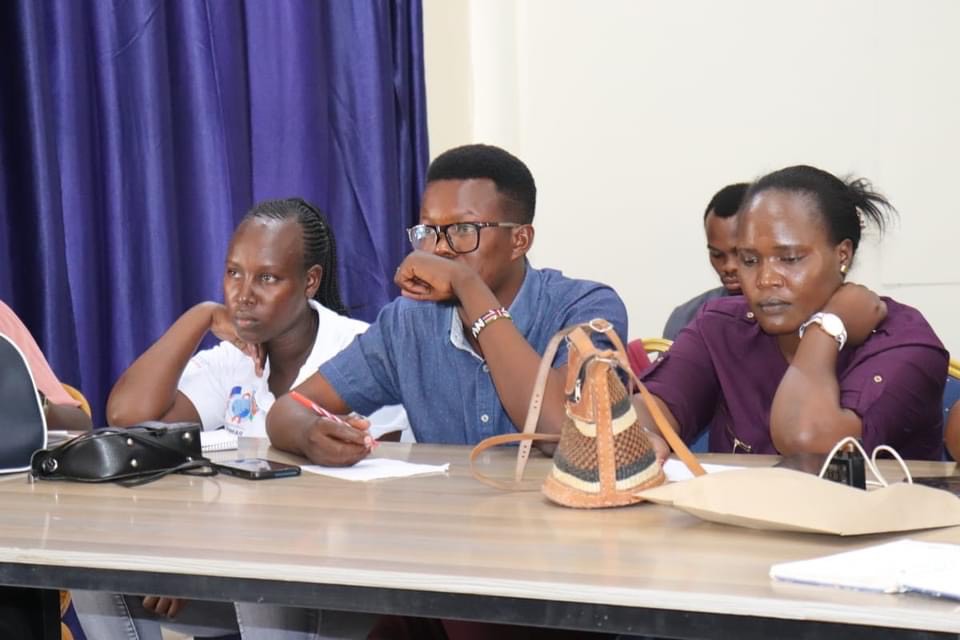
[490,316]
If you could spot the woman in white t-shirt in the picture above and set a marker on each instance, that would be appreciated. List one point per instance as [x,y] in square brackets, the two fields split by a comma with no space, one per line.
[281,319]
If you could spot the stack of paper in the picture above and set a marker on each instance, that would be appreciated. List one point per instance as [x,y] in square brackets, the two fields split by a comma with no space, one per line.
[904,565]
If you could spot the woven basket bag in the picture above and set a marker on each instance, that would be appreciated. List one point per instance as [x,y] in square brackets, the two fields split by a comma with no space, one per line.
[604,456]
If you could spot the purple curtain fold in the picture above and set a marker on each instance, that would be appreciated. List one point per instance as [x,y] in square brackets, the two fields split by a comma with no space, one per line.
[134,134]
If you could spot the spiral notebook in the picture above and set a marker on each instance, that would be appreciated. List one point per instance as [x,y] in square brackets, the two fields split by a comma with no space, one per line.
[219,440]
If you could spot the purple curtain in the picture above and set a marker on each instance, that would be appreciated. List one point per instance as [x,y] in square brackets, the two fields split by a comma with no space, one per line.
[134,134]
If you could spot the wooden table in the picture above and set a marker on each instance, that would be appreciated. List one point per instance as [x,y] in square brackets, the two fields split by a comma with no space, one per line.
[443,546]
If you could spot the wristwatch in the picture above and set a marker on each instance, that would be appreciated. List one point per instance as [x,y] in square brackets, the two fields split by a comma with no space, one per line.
[831,324]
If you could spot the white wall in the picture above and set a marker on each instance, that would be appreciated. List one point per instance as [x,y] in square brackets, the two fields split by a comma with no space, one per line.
[632,113]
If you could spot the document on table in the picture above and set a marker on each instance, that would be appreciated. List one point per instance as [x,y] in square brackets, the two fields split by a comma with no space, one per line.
[676,471]
[905,565]
[377,469]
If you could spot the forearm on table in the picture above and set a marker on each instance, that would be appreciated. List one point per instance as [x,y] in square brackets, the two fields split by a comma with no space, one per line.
[288,420]
[645,415]
[512,361]
[659,440]
[286,425]
[514,365]
[806,415]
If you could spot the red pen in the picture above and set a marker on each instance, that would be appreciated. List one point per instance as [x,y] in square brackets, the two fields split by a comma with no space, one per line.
[317,409]
[320,411]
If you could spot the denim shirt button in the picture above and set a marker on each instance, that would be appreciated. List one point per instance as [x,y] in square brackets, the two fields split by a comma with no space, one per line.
[484,418]
[486,368]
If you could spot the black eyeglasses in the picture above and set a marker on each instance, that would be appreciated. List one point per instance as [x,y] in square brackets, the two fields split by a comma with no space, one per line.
[462,237]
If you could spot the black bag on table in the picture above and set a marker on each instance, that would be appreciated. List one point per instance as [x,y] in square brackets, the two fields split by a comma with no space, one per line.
[132,456]
[22,422]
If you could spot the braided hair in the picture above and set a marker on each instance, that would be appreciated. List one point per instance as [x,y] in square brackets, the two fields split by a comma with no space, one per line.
[319,245]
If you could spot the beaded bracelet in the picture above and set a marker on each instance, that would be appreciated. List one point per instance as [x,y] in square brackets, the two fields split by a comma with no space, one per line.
[487,318]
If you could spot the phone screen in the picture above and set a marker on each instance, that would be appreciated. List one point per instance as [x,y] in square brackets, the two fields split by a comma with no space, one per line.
[257,468]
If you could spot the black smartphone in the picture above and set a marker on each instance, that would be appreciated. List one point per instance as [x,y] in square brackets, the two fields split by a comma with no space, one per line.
[257,468]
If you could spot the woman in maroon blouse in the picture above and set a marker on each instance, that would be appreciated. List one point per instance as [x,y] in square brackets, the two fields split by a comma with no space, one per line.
[805,358]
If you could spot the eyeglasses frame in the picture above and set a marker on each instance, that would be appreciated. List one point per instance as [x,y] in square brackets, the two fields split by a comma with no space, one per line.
[439,229]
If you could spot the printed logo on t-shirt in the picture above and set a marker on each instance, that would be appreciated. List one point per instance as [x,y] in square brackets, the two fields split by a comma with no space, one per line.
[241,408]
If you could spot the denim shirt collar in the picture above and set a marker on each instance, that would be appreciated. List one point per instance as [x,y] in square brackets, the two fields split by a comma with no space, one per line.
[520,310]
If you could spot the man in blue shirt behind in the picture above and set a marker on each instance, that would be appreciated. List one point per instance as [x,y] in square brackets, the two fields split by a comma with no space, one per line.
[461,348]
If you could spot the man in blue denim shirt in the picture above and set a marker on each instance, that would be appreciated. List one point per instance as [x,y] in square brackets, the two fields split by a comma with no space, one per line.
[461,348]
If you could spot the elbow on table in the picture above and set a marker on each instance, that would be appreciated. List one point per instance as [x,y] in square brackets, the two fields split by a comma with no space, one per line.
[270,423]
[279,426]
[119,415]
[804,435]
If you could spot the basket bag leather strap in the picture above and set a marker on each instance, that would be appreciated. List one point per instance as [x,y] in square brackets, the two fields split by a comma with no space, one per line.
[529,435]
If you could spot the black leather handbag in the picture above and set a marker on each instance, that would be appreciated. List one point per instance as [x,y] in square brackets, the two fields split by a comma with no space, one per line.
[131,456]
[22,423]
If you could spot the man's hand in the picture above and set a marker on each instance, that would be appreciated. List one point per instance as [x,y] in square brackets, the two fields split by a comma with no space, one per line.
[167,607]
[334,444]
[860,309]
[425,276]
[221,325]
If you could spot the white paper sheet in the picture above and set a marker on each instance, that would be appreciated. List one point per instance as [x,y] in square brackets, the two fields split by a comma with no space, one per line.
[904,565]
[677,471]
[376,469]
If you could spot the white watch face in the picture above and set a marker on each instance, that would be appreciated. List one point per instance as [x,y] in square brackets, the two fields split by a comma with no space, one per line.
[832,324]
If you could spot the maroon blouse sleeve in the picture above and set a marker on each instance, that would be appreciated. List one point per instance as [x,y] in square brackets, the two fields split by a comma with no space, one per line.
[685,379]
[898,395]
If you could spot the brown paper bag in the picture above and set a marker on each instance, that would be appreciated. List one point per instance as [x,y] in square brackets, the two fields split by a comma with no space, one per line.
[785,500]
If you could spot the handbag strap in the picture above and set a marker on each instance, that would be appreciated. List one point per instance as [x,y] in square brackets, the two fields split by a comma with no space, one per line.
[527,437]
[536,403]
[507,438]
[200,467]
[666,430]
